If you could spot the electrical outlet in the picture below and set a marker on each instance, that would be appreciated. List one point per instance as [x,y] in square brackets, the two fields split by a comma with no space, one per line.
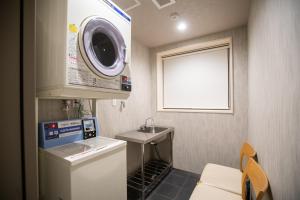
[114,102]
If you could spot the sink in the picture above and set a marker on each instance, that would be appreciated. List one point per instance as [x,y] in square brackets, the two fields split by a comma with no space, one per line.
[156,130]
[149,129]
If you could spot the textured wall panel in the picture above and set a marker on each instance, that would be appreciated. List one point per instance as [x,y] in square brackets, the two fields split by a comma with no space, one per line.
[274,92]
[200,137]
[137,106]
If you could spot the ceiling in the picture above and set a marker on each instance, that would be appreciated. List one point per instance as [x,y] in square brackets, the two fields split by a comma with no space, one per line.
[154,27]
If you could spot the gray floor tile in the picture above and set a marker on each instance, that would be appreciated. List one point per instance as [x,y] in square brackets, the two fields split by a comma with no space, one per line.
[180,172]
[190,183]
[167,190]
[183,194]
[197,176]
[155,196]
[175,179]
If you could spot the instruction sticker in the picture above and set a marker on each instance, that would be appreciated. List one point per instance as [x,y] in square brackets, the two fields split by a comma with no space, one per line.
[73,28]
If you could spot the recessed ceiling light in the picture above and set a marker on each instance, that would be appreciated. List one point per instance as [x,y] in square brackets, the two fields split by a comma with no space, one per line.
[181,26]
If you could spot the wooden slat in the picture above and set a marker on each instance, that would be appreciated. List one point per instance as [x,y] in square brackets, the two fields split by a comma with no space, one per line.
[257,177]
[247,151]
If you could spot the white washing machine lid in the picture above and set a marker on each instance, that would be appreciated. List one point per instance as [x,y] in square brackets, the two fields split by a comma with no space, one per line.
[80,151]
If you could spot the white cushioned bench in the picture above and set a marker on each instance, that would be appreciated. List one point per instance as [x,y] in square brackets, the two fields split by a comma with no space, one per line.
[206,192]
[252,172]
[222,177]
[227,178]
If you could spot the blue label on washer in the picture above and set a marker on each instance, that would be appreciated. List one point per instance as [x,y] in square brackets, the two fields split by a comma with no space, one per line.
[55,132]
[117,10]
[51,134]
[69,129]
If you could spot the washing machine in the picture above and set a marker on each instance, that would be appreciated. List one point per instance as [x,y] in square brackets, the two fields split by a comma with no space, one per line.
[83,49]
[76,169]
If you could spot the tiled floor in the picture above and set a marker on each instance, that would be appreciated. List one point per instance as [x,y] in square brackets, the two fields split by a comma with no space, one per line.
[178,185]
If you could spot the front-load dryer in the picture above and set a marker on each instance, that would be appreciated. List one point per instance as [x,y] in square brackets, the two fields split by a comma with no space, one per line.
[83,49]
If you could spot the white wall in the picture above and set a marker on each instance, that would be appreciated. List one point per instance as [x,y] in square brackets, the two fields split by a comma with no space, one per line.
[201,137]
[274,92]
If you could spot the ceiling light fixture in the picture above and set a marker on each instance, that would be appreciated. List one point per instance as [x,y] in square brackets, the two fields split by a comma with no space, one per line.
[181,26]
[174,16]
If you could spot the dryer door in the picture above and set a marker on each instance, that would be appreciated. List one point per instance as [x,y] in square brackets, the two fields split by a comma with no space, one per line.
[102,47]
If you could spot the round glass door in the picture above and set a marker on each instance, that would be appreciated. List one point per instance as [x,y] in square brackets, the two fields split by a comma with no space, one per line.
[102,47]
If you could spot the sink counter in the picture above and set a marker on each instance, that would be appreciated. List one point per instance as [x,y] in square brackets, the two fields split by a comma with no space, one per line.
[143,138]
[138,180]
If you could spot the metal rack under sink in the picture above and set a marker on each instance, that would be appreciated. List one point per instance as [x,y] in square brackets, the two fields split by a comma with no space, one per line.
[154,172]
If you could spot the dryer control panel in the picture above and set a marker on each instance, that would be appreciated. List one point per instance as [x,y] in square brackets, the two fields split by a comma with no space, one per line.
[125,83]
[57,133]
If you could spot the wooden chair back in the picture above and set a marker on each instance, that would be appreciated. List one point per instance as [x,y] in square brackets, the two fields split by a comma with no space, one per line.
[247,151]
[257,177]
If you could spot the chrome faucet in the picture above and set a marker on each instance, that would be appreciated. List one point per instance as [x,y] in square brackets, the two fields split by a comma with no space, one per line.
[152,121]
[146,125]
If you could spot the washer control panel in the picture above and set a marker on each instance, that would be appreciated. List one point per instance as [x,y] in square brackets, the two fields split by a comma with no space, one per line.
[89,128]
[57,133]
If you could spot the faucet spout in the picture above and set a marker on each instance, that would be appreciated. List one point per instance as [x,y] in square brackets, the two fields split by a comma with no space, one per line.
[152,121]
[152,124]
